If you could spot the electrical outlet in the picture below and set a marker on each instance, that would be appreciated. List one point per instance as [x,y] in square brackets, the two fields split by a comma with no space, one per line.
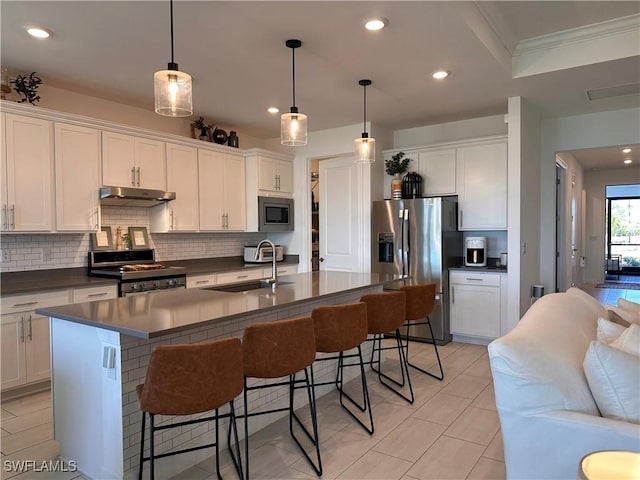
[6,255]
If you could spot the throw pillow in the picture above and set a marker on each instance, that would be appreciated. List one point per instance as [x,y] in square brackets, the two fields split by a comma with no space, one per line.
[614,380]
[608,331]
[628,305]
[615,318]
[626,315]
[629,340]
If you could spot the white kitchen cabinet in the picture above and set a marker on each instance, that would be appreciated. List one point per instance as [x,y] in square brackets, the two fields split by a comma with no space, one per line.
[222,191]
[201,281]
[129,161]
[26,172]
[77,167]
[476,304]
[275,175]
[282,270]
[91,294]
[482,186]
[24,337]
[438,171]
[239,276]
[181,214]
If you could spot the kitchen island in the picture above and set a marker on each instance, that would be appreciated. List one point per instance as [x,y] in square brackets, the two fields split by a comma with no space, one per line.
[100,351]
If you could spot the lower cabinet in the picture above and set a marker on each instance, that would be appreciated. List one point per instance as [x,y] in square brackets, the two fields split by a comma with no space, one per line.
[24,338]
[201,281]
[476,304]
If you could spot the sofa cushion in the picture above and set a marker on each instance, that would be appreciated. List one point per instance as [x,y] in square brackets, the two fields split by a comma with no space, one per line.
[615,318]
[628,305]
[608,331]
[629,340]
[614,379]
[627,315]
[596,307]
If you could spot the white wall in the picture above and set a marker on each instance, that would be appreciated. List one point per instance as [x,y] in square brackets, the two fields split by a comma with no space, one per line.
[94,107]
[595,183]
[619,127]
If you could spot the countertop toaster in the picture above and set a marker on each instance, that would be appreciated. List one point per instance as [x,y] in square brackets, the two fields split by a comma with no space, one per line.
[263,255]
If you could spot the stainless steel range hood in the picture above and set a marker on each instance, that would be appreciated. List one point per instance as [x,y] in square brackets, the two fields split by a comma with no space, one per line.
[134,197]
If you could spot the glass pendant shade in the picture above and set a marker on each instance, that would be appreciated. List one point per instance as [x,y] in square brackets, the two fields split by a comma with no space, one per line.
[293,128]
[173,93]
[365,149]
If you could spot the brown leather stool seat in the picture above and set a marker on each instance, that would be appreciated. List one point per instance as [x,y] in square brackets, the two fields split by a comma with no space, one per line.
[338,329]
[421,300]
[280,349]
[386,314]
[187,380]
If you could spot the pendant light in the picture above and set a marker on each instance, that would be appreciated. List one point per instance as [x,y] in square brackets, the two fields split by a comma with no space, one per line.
[365,145]
[172,88]
[293,125]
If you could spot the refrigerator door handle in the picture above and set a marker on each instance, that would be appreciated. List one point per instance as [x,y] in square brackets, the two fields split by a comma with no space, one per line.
[408,241]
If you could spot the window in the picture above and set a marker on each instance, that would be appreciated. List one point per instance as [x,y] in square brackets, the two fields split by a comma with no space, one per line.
[623,225]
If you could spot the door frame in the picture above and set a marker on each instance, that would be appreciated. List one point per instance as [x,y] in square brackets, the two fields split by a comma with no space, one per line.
[560,224]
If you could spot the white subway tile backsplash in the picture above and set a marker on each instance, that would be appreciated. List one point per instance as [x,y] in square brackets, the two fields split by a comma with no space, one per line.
[70,250]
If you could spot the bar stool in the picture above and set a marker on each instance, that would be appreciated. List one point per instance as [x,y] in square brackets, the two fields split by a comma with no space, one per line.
[386,313]
[421,300]
[191,379]
[279,349]
[338,329]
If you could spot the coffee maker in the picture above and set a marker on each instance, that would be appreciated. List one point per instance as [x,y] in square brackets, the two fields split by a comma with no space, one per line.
[475,252]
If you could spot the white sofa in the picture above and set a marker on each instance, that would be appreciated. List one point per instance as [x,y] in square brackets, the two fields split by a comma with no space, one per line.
[548,416]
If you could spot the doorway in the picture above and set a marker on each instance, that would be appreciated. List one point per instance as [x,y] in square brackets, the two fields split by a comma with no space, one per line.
[315,216]
[561,251]
[622,236]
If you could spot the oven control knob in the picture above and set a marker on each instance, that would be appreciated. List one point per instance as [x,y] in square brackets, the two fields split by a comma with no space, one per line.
[156,284]
[135,286]
[171,282]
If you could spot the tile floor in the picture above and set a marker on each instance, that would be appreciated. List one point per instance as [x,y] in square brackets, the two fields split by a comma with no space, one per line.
[451,431]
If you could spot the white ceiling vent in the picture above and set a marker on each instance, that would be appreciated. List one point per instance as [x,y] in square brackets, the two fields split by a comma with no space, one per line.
[617,91]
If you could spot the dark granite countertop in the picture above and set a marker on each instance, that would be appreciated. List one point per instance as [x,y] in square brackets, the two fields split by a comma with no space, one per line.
[149,316]
[33,281]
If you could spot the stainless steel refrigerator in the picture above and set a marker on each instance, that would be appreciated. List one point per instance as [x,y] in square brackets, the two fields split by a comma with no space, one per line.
[418,240]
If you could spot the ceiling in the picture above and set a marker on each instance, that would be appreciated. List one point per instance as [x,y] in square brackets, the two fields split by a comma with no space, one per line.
[236,53]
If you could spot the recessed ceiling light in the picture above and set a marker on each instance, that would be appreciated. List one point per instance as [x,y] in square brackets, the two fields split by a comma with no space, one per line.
[38,32]
[626,150]
[273,110]
[627,161]
[374,24]
[440,74]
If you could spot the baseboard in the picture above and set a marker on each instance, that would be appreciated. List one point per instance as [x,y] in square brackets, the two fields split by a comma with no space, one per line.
[24,390]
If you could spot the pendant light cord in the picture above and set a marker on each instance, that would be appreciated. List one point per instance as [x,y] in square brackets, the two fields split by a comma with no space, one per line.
[364,120]
[171,6]
[293,75]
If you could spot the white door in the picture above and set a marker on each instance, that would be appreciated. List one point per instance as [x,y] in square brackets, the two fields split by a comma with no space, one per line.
[340,216]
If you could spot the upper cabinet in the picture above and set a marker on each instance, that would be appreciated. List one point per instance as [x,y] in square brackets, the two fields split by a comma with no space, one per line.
[222,191]
[438,171]
[26,174]
[77,166]
[129,161]
[274,175]
[181,214]
[482,187]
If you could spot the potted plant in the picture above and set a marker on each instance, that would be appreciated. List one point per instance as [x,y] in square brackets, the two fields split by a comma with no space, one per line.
[201,129]
[396,166]
[27,87]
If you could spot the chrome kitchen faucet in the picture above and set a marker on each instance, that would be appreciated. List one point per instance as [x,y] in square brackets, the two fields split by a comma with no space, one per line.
[273,281]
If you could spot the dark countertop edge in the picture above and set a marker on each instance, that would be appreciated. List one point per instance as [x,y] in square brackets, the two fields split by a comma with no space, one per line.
[149,335]
[481,269]
[34,281]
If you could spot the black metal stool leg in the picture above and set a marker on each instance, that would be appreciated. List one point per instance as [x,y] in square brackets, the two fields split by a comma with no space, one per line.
[435,346]
[237,456]
[246,429]
[310,387]
[404,369]
[144,417]
[151,444]
[366,402]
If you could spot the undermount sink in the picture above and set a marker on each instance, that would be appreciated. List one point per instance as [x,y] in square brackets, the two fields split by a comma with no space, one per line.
[243,287]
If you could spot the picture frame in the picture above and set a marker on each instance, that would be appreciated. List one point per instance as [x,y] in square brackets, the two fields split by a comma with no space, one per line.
[138,238]
[102,240]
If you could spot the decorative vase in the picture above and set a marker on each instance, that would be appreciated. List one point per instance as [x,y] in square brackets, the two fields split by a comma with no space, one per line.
[233,141]
[219,136]
[396,187]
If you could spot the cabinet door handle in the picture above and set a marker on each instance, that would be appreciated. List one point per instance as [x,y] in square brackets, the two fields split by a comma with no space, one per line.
[278,182]
[101,294]
[138,173]
[201,282]
[5,224]
[171,217]
[133,176]
[242,276]
[13,217]
[453,295]
[21,329]
[30,328]
[25,304]
[461,217]
[97,214]
[474,279]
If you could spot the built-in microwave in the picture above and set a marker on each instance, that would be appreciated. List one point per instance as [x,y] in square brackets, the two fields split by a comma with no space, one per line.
[275,214]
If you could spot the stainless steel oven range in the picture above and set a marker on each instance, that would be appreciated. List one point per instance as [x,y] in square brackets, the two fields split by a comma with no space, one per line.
[137,271]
